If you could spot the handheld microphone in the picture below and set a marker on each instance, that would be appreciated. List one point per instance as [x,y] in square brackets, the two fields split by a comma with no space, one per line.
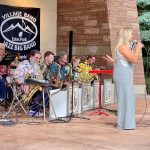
[133,44]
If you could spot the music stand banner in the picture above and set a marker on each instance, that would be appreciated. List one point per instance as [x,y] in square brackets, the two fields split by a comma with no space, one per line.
[20,29]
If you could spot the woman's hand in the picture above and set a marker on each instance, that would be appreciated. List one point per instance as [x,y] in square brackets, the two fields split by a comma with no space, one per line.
[108,59]
[139,45]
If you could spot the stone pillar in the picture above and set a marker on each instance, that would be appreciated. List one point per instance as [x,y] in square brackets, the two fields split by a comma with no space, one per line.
[95,24]
[122,13]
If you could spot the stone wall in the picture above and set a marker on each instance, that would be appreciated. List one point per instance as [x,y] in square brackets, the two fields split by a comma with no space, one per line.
[95,25]
[124,13]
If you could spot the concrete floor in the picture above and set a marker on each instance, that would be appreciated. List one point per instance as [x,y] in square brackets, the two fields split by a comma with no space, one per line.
[98,133]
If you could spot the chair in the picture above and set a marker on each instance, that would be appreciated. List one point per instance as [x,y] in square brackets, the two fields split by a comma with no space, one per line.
[17,99]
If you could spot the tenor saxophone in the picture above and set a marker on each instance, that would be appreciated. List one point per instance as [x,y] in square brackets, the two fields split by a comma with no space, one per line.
[34,88]
[57,79]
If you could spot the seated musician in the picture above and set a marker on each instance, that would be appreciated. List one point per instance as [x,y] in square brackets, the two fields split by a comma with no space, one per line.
[58,69]
[72,69]
[90,61]
[29,68]
[6,75]
[2,78]
[46,66]
[85,67]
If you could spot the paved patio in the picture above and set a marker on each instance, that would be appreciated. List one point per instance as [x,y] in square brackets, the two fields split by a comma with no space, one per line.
[98,133]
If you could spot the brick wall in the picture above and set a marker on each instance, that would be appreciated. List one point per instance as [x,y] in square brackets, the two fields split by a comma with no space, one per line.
[95,25]
[124,13]
[89,22]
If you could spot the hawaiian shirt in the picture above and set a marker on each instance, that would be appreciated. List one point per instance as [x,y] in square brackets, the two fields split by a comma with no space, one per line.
[54,69]
[23,69]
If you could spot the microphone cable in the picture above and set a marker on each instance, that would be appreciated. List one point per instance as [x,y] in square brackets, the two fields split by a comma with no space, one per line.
[145,97]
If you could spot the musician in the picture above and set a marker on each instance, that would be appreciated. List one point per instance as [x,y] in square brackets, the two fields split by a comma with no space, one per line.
[2,78]
[124,59]
[46,66]
[72,69]
[90,61]
[85,67]
[58,67]
[29,68]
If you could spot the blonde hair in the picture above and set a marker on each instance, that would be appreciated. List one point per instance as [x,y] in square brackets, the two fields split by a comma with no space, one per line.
[74,58]
[124,38]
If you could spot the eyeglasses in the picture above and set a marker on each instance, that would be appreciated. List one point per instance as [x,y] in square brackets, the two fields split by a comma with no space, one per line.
[39,58]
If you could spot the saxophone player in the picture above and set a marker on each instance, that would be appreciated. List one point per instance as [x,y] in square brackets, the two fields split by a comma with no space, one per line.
[58,68]
[46,66]
[28,67]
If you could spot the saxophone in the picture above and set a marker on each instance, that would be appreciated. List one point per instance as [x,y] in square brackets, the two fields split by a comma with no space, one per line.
[34,88]
[57,79]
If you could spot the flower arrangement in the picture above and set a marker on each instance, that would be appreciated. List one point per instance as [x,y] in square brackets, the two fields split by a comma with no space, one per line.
[84,74]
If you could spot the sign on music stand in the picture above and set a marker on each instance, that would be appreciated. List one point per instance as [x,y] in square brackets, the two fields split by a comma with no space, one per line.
[8,59]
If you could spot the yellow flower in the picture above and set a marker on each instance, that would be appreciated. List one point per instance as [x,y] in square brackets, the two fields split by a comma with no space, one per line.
[84,74]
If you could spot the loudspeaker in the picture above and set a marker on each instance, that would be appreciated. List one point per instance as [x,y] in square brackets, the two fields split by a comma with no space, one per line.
[70,45]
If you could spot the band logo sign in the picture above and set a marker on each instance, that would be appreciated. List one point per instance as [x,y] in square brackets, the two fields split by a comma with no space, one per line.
[20,28]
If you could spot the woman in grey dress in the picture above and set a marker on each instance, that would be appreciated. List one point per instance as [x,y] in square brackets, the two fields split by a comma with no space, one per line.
[123,78]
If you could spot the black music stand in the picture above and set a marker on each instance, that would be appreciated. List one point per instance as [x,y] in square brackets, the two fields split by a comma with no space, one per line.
[7,60]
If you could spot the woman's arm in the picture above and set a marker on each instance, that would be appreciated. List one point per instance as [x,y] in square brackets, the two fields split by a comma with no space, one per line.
[132,57]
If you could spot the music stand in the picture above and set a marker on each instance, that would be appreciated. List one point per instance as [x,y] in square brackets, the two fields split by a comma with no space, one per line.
[8,59]
[100,72]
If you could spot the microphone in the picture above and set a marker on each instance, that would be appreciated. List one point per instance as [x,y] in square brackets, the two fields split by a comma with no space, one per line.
[133,44]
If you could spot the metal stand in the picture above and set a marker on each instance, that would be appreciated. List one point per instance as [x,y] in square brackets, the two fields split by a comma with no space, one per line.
[50,102]
[13,104]
[72,115]
[99,112]
[100,72]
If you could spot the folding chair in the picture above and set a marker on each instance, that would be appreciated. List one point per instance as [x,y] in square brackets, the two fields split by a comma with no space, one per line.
[17,99]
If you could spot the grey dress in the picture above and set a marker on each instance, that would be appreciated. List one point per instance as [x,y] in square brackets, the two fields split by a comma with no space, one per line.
[123,79]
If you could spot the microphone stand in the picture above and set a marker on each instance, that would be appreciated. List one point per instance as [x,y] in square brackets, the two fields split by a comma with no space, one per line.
[73,71]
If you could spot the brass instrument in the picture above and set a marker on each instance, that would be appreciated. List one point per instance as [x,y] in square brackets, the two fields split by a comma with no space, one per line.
[33,88]
[57,79]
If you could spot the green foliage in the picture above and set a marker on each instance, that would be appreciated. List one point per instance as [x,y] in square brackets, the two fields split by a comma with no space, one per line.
[144,19]
[145,35]
[147,80]
[144,23]
[143,3]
